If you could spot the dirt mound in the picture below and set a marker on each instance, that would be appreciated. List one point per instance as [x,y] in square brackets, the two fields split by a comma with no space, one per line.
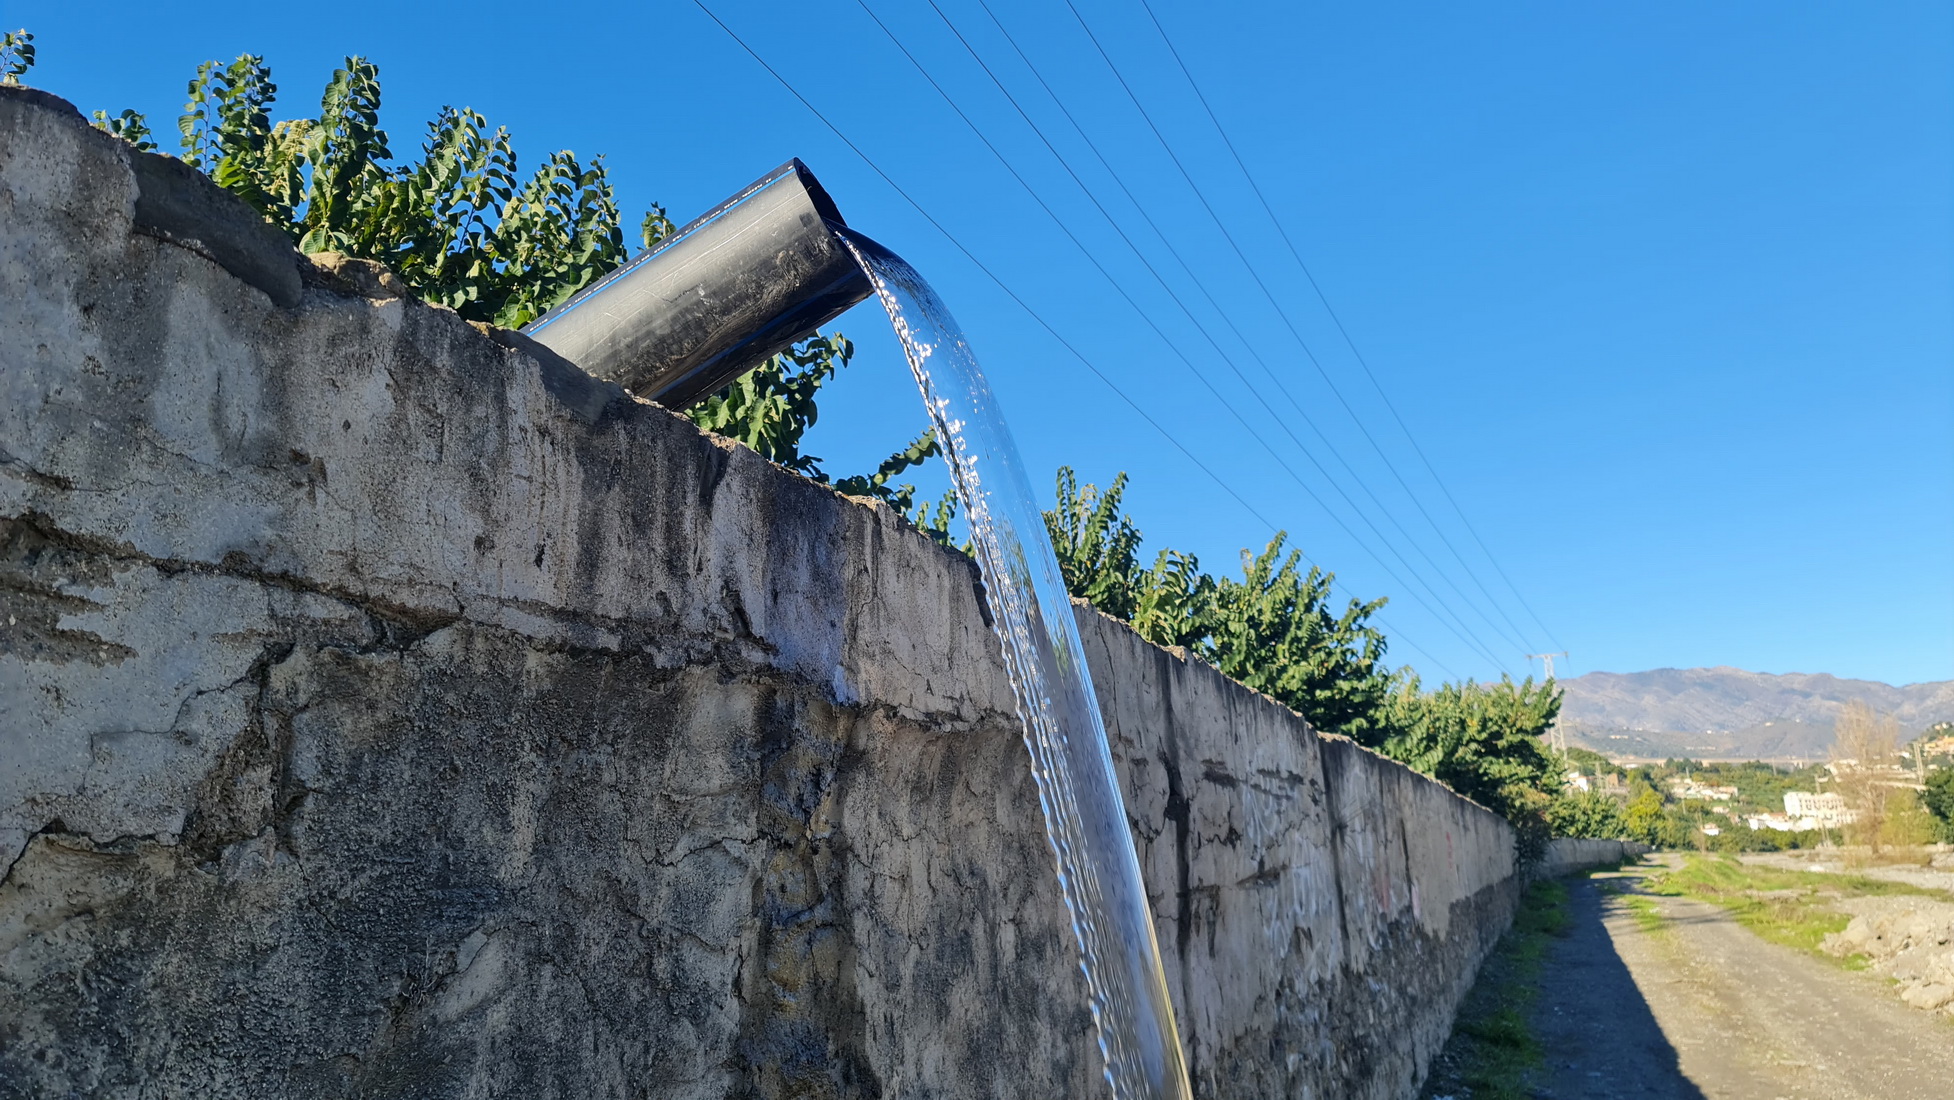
[1909,939]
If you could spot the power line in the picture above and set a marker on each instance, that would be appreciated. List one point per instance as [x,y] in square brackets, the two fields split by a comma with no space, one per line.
[1462,629]
[1255,275]
[1021,303]
[1296,254]
[1219,310]
[1519,644]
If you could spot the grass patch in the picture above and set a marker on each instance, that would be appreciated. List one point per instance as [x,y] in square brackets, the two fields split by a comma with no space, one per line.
[1644,911]
[1493,1049]
[1792,908]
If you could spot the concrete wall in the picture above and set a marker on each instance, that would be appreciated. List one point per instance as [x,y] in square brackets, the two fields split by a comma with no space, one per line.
[1571,855]
[387,709]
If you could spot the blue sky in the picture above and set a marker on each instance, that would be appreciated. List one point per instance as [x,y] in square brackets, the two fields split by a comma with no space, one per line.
[1662,291]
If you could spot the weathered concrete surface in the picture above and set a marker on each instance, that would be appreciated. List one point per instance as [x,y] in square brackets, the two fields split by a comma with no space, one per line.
[387,709]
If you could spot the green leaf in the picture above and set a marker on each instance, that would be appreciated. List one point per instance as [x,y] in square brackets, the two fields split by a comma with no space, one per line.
[16,55]
[129,126]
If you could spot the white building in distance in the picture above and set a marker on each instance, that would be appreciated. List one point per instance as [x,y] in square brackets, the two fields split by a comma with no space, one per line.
[1824,811]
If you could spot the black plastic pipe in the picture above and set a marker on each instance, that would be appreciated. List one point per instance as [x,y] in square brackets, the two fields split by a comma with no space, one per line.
[738,284]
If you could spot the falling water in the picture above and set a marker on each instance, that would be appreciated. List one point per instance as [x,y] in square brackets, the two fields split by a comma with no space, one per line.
[1085,818]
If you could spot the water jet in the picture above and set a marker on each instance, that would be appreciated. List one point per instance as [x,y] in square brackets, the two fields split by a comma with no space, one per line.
[765,268]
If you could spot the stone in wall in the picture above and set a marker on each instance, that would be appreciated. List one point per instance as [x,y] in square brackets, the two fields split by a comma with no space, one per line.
[389,709]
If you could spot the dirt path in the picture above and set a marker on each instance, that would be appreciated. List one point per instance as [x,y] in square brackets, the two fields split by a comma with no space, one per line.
[1701,1008]
[1598,1035]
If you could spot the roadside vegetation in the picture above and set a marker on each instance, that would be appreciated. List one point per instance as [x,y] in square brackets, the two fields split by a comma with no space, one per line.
[1493,1049]
[466,224]
[1664,805]
[1279,630]
[1938,801]
[1792,908]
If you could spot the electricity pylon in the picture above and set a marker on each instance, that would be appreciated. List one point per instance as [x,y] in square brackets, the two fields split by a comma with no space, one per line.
[1547,659]
[1560,735]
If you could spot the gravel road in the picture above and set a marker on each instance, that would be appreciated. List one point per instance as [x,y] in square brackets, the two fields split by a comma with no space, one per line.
[1702,1008]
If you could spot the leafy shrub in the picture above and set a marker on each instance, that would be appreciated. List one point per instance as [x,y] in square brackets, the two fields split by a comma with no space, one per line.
[461,224]
[1275,630]
[1588,814]
[16,55]
[1938,799]
[771,407]
[1171,603]
[1484,741]
[464,227]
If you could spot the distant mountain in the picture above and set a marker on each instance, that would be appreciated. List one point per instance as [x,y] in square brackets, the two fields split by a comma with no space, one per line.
[1727,712]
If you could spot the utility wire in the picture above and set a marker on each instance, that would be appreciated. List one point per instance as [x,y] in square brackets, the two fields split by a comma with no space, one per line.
[1519,643]
[1026,306]
[1255,275]
[1462,629]
[1296,254]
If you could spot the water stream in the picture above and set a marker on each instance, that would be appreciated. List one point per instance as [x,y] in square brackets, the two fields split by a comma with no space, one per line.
[1085,817]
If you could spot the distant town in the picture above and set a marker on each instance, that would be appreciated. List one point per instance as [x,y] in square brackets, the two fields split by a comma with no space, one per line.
[1758,805]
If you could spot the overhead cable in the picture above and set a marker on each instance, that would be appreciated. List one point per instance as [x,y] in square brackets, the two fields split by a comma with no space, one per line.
[1344,332]
[1462,629]
[1518,642]
[1249,266]
[1019,300]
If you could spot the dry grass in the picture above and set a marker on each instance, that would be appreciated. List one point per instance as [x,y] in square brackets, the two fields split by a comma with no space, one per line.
[1793,908]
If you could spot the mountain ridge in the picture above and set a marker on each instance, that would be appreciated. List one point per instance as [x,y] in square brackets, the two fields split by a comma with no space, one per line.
[1731,712]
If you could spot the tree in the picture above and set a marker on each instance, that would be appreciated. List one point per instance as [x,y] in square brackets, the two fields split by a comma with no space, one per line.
[464,228]
[1866,744]
[1171,603]
[1175,602]
[1097,546]
[1588,761]
[1648,821]
[1938,799]
[1587,814]
[461,225]
[772,406]
[1274,630]
[1484,741]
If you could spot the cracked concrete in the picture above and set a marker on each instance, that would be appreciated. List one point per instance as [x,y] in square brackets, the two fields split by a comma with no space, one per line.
[389,709]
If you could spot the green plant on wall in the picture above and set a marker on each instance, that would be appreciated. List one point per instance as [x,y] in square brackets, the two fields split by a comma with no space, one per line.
[461,224]
[16,55]
[129,126]
[770,408]
[1275,630]
[465,227]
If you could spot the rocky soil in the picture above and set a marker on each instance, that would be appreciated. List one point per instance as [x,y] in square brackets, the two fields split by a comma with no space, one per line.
[1908,939]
